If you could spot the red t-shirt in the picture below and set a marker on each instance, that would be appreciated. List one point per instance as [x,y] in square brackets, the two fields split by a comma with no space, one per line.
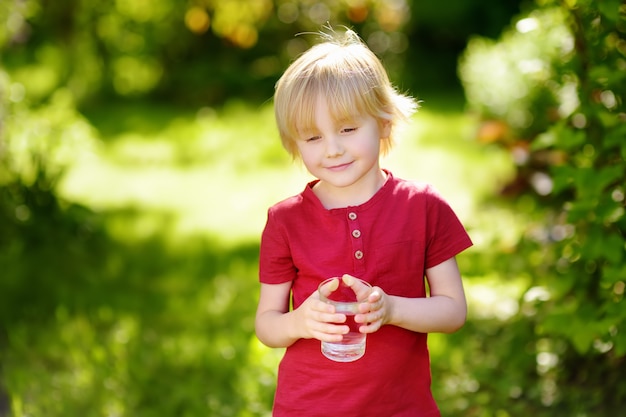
[389,241]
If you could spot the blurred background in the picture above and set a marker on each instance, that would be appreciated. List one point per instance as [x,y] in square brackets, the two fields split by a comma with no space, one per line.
[138,157]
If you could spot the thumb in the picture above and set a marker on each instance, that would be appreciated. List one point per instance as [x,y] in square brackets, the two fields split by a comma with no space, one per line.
[328,286]
[361,288]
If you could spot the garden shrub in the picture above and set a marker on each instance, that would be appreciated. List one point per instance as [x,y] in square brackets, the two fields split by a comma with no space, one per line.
[552,90]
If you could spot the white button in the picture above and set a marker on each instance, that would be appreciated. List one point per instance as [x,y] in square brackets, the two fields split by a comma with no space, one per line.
[352,216]
[356,233]
[358,254]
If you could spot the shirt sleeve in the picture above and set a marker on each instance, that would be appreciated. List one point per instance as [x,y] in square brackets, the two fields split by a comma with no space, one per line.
[275,261]
[446,235]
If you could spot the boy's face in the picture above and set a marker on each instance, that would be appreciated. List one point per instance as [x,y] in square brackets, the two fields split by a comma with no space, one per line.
[343,155]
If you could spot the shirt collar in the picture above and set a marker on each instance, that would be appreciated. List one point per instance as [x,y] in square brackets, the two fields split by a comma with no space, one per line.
[309,196]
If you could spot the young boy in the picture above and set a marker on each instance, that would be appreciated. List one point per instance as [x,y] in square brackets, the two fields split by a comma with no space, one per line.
[336,110]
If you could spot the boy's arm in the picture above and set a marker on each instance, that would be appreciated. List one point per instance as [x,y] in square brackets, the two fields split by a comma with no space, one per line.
[276,326]
[273,324]
[444,311]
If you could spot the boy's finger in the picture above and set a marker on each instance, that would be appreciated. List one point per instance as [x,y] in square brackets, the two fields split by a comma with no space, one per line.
[361,289]
[329,287]
[374,295]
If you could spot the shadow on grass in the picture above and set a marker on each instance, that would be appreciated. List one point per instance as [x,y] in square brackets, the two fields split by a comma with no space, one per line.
[92,325]
[141,117]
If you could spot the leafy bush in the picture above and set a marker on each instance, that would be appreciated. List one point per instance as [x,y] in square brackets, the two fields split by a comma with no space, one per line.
[37,144]
[518,86]
[570,148]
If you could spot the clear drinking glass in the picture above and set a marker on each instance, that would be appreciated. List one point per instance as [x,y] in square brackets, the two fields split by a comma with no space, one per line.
[346,301]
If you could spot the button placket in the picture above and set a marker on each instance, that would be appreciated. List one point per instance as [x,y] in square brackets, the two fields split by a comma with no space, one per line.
[357,242]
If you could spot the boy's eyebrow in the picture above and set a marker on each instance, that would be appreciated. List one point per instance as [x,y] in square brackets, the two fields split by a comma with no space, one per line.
[348,119]
[304,131]
[307,130]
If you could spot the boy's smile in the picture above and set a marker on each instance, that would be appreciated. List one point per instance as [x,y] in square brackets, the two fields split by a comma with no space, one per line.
[340,167]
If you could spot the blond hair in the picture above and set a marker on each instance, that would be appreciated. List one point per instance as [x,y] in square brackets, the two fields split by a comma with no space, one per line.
[344,71]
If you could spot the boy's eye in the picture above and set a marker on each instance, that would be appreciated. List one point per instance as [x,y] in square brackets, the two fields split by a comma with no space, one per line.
[349,129]
[311,138]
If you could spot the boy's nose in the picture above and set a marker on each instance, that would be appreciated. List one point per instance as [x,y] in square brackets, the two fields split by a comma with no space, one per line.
[333,147]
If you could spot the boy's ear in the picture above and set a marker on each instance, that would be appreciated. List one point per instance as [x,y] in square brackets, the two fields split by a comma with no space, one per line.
[385,128]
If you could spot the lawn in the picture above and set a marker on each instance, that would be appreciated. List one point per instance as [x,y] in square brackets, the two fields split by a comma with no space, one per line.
[150,312]
[216,172]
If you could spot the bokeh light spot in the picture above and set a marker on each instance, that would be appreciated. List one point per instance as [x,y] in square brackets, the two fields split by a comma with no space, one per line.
[197,20]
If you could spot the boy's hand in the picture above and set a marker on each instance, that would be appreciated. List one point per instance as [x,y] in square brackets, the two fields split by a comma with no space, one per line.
[318,320]
[374,312]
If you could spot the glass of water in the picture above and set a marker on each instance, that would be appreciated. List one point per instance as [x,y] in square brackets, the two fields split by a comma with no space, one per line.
[346,301]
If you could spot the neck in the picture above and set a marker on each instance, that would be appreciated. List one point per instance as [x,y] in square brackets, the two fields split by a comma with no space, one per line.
[354,195]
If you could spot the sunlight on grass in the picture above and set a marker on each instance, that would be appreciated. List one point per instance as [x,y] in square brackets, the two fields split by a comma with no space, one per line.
[216,174]
[440,149]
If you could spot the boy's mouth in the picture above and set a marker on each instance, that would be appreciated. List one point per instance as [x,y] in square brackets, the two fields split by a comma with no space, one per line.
[339,167]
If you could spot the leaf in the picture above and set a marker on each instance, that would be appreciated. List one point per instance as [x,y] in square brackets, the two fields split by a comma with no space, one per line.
[613,274]
[614,248]
[560,135]
[543,140]
[571,139]
[582,339]
[609,9]
[562,178]
[601,244]
[609,175]
[575,326]
[591,183]
[616,137]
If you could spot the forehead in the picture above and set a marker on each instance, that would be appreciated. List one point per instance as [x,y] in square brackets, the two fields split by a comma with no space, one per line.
[323,110]
[345,78]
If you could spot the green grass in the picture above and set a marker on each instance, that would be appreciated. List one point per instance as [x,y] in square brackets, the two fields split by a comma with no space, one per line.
[217,172]
[149,311]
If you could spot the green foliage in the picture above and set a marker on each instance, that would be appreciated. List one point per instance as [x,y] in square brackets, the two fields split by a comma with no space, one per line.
[208,51]
[116,311]
[570,152]
[520,75]
[37,144]
[142,304]
[98,316]
[205,51]
[128,329]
